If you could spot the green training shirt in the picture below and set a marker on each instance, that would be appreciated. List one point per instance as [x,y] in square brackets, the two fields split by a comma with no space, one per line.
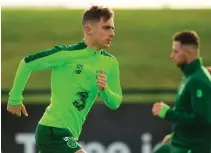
[73,83]
[191,114]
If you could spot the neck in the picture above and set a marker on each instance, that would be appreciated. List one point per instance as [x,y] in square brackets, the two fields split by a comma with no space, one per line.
[89,43]
[190,68]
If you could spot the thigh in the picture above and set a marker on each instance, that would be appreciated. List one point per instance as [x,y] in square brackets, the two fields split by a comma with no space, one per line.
[60,146]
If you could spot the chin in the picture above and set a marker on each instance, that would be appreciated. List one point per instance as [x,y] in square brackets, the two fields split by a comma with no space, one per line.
[106,46]
[180,64]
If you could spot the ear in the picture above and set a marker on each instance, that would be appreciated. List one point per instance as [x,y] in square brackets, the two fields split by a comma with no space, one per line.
[188,50]
[88,29]
[188,53]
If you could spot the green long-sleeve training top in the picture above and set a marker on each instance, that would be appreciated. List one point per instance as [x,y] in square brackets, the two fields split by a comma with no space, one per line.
[73,83]
[191,114]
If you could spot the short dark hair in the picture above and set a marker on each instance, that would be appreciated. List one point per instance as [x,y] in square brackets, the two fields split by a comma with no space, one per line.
[95,12]
[187,38]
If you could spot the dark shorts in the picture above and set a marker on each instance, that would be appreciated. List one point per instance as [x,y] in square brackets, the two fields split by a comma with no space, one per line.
[55,140]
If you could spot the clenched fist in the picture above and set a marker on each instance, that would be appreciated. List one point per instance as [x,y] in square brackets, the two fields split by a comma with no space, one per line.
[156,109]
[209,69]
[17,110]
[160,109]
[102,80]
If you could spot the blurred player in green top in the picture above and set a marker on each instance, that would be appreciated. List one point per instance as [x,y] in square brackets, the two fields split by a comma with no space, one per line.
[191,114]
[80,72]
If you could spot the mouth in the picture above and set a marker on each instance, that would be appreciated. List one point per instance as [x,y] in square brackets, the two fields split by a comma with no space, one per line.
[108,41]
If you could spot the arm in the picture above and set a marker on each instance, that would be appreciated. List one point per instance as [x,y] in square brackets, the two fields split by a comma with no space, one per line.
[112,95]
[38,61]
[200,99]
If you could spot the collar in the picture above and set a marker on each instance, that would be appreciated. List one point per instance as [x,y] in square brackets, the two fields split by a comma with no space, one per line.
[90,50]
[192,67]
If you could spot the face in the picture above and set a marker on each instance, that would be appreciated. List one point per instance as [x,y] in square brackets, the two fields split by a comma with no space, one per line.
[102,33]
[179,55]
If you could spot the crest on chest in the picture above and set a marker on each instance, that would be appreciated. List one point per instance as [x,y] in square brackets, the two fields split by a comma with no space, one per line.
[79,68]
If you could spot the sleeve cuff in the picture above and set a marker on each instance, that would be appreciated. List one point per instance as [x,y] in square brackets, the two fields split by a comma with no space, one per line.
[163,111]
[15,102]
[105,93]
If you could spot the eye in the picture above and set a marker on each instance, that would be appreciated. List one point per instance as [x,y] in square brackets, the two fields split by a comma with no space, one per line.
[107,27]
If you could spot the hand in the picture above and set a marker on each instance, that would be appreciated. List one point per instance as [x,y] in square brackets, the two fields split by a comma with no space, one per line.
[102,80]
[160,109]
[157,108]
[17,109]
[209,69]
[167,138]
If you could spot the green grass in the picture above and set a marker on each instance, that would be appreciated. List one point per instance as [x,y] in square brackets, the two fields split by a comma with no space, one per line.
[142,43]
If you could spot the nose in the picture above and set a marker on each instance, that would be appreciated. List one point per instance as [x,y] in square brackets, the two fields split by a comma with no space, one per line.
[112,33]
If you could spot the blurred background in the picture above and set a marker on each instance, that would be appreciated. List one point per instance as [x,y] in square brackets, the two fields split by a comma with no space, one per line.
[142,45]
